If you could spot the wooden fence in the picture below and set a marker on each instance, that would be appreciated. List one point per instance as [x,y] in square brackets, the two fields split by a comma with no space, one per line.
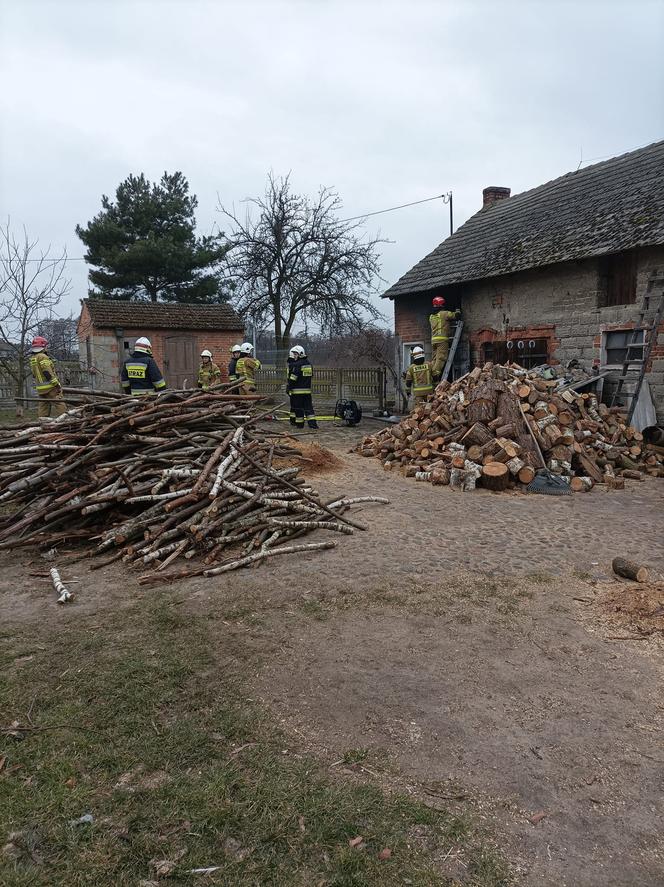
[69,373]
[366,385]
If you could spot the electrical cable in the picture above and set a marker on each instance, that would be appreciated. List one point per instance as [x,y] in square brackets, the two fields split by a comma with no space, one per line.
[444,197]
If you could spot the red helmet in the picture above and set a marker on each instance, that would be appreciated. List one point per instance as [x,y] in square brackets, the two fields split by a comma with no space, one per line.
[39,342]
[438,302]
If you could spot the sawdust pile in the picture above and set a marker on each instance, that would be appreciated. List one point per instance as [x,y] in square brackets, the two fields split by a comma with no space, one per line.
[312,458]
[634,609]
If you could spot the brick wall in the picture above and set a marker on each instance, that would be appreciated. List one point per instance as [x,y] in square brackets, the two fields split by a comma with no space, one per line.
[107,352]
[559,303]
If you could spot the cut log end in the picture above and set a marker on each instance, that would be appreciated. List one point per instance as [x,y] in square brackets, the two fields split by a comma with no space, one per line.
[495,476]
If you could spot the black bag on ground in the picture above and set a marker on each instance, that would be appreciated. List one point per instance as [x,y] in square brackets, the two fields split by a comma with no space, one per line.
[348,410]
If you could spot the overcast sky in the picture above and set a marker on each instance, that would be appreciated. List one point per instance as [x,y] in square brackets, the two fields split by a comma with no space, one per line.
[388,102]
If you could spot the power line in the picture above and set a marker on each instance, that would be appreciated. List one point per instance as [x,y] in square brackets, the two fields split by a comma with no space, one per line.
[390,209]
[444,197]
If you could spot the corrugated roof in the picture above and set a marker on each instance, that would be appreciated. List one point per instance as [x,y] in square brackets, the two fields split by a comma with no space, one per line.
[604,208]
[162,315]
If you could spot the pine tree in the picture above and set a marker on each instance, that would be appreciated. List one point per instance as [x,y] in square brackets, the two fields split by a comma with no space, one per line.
[143,245]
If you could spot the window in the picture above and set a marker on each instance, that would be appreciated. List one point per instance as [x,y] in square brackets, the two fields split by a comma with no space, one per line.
[407,348]
[528,353]
[617,279]
[615,346]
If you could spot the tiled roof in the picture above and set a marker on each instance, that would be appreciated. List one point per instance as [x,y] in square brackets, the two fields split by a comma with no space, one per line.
[162,315]
[604,208]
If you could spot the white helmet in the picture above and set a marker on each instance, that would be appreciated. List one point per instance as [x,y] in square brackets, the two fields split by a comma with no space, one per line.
[296,352]
[246,348]
[206,353]
[236,348]
[417,352]
[143,344]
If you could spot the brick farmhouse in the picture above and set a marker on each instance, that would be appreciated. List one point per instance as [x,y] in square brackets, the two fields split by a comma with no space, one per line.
[178,332]
[555,273]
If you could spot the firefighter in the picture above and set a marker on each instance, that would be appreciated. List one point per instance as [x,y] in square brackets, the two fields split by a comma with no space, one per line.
[208,372]
[140,373]
[47,384]
[235,356]
[246,368]
[289,363]
[300,375]
[440,333]
[419,376]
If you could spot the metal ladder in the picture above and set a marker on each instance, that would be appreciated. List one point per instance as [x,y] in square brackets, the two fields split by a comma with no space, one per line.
[645,347]
[453,349]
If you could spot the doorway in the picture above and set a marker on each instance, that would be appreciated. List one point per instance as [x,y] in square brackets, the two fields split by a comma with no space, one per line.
[180,361]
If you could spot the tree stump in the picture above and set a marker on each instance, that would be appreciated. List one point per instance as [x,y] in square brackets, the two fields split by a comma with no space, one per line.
[629,569]
[495,476]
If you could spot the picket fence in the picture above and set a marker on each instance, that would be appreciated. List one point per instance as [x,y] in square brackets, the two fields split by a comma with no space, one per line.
[366,385]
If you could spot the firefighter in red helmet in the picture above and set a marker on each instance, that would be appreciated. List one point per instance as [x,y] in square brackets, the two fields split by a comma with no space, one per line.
[440,321]
[47,384]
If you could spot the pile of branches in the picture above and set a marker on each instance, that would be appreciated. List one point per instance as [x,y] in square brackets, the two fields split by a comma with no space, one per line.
[151,480]
[500,425]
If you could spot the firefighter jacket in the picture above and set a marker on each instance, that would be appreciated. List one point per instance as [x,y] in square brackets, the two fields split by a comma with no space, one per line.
[300,374]
[141,375]
[232,375]
[43,371]
[419,376]
[247,367]
[208,374]
[440,325]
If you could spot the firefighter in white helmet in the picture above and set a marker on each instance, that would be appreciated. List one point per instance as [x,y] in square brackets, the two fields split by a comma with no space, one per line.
[140,374]
[247,367]
[235,356]
[419,376]
[208,372]
[298,387]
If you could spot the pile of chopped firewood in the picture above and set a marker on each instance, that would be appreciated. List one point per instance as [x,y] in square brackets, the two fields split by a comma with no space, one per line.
[150,480]
[500,425]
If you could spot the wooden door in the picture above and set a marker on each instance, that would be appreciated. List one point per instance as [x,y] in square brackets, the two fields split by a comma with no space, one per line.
[180,367]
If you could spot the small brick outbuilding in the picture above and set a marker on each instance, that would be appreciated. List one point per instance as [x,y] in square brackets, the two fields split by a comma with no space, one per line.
[178,332]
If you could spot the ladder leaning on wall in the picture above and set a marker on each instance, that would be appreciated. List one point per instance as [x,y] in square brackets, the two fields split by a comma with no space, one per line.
[453,350]
[645,346]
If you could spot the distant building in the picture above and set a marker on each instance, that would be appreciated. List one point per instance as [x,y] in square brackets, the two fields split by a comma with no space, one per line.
[555,273]
[107,331]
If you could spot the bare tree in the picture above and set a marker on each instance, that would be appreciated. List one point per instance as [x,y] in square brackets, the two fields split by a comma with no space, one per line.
[294,260]
[32,283]
[61,335]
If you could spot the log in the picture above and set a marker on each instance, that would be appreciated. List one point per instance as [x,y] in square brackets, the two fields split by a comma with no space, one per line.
[483,402]
[523,391]
[495,476]
[477,434]
[581,484]
[629,569]
[526,474]
[440,477]
[614,483]
[515,465]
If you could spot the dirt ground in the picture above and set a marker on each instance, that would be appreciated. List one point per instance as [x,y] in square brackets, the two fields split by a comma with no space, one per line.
[473,649]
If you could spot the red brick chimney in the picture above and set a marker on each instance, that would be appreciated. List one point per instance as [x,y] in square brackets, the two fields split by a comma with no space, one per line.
[493,194]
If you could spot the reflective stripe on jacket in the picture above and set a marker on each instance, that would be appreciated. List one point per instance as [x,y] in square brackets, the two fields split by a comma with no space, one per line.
[300,375]
[247,367]
[420,376]
[140,375]
[43,372]
[208,374]
[440,325]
